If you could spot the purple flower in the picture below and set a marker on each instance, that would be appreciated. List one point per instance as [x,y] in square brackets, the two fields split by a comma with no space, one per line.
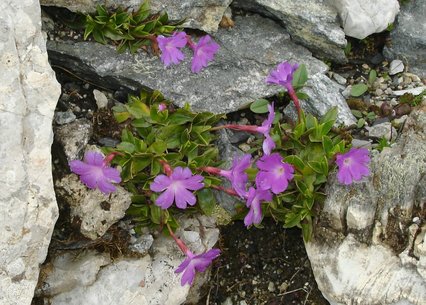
[274,174]
[170,48]
[283,75]
[237,175]
[254,202]
[204,52]
[95,172]
[176,188]
[194,263]
[353,165]
[162,107]
[268,144]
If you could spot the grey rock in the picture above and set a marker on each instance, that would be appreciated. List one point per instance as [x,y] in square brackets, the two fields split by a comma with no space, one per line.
[365,237]
[361,143]
[142,244]
[323,95]
[74,137]
[408,38]
[339,79]
[70,270]
[382,130]
[109,142]
[396,66]
[233,80]
[29,93]
[96,211]
[100,98]
[312,23]
[361,18]
[64,117]
[204,15]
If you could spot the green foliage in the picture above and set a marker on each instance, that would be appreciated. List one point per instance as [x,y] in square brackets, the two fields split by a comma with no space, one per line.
[259,106]
[383,142]
[360,89]
[309,147]
[127,30]
[180,137]
[412,100]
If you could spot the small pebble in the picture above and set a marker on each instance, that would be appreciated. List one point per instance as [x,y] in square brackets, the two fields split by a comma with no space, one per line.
[228,301]
[100,98]
[271,287]
[389,91]
[66,117]
[339,79]
[365,66]
[244,147]
[396,66]
[243,302]
[378,92]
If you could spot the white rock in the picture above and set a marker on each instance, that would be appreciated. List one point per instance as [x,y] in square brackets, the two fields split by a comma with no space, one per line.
[396,66]
[150,280]
[339,79]
[100,98]
[96,210]
[366,249]
[413,91]
[361,18]
[72,269]
[28,96]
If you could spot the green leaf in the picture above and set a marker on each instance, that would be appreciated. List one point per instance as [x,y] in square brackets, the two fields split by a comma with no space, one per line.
[207,201]
[372,76]
[158,147]
[307,230]
[292,219]
[155,214]
[296,161]
[126,147]
[260,106]
[302,95]
[358,89]
[181,117]
[330,116]
[139,163]
[327,145]
[300,76]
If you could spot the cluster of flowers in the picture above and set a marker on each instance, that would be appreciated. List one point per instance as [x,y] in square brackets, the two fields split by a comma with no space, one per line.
[178,184]
[171,53]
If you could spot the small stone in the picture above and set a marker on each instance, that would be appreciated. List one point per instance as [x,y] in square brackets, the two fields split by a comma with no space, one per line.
[389,91]
[399,121]
[413,91]
[244,147]
[400,80]
[361,143]
[243,302]
[365,66]
[62,118]
[396,66]
[108,142]
[339,79]
[283,287]
[142,244]
[228,301]
[347,92]
[383,86]
[378,92]
[254,282]
[271,287]
[101,99]
[383,130]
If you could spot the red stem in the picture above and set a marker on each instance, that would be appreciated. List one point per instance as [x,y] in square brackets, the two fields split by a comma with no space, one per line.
[293,96]
[178,241]
[228,191]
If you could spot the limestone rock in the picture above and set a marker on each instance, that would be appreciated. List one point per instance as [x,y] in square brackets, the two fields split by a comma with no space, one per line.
[361,18]
[249,51]
[70,270]
[312,23]
[204,15]
[96,211]
[74,137]
[369,244]
[408,38]
[149,280]
[29,93]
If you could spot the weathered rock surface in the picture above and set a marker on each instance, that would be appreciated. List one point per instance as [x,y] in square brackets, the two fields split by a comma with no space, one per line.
[233,80]
[73,137]
[370,243]
[95,210]
[28,95]
[322,97]
[409,37]
[361,18]
[150,280]
[312,23]
[204,15]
